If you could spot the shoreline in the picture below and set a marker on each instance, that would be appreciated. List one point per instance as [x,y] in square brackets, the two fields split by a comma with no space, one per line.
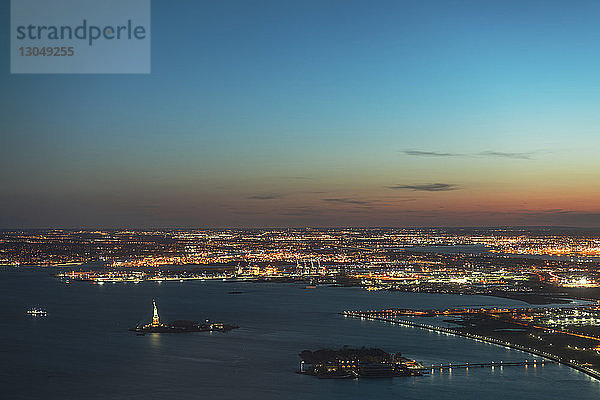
[580,368]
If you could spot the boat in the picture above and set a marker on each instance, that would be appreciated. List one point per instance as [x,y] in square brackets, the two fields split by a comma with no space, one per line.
[311,285]
[37,312]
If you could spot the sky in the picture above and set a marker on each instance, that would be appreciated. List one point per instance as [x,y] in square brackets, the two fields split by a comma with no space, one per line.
[317,113]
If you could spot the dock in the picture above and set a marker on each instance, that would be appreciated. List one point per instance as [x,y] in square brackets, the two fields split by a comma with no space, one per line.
[492,364]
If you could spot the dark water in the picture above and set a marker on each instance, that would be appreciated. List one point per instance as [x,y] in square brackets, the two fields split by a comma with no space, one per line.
[82,349]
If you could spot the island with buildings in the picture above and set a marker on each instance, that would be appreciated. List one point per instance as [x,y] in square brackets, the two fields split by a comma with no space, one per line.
[349,363]
[180,326]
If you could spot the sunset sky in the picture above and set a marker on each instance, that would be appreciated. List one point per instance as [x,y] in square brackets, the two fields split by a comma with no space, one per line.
[318,113]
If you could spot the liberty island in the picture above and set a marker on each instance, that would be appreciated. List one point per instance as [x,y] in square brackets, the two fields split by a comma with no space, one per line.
[180,326]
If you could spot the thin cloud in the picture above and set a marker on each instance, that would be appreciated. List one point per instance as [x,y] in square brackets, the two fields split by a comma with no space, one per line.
[421,153]
[481,154]
[267,196]
[427,187]
[552,211]
[296,178]
[502,154]
[347,201]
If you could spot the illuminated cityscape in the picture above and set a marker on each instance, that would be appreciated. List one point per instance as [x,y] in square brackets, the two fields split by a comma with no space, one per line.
[510,263]
[442,260]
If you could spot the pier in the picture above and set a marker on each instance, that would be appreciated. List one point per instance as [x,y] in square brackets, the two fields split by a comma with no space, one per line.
[492,364]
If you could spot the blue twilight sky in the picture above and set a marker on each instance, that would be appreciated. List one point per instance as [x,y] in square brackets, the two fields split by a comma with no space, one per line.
[293,113]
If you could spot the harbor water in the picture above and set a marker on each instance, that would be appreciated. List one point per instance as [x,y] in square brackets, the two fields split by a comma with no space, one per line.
[82,349]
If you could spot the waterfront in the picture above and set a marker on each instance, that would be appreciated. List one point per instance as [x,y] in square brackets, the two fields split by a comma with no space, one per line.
[495,336]
[83,350]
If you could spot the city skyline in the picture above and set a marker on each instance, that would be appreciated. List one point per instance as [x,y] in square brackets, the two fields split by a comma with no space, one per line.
[261,114]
